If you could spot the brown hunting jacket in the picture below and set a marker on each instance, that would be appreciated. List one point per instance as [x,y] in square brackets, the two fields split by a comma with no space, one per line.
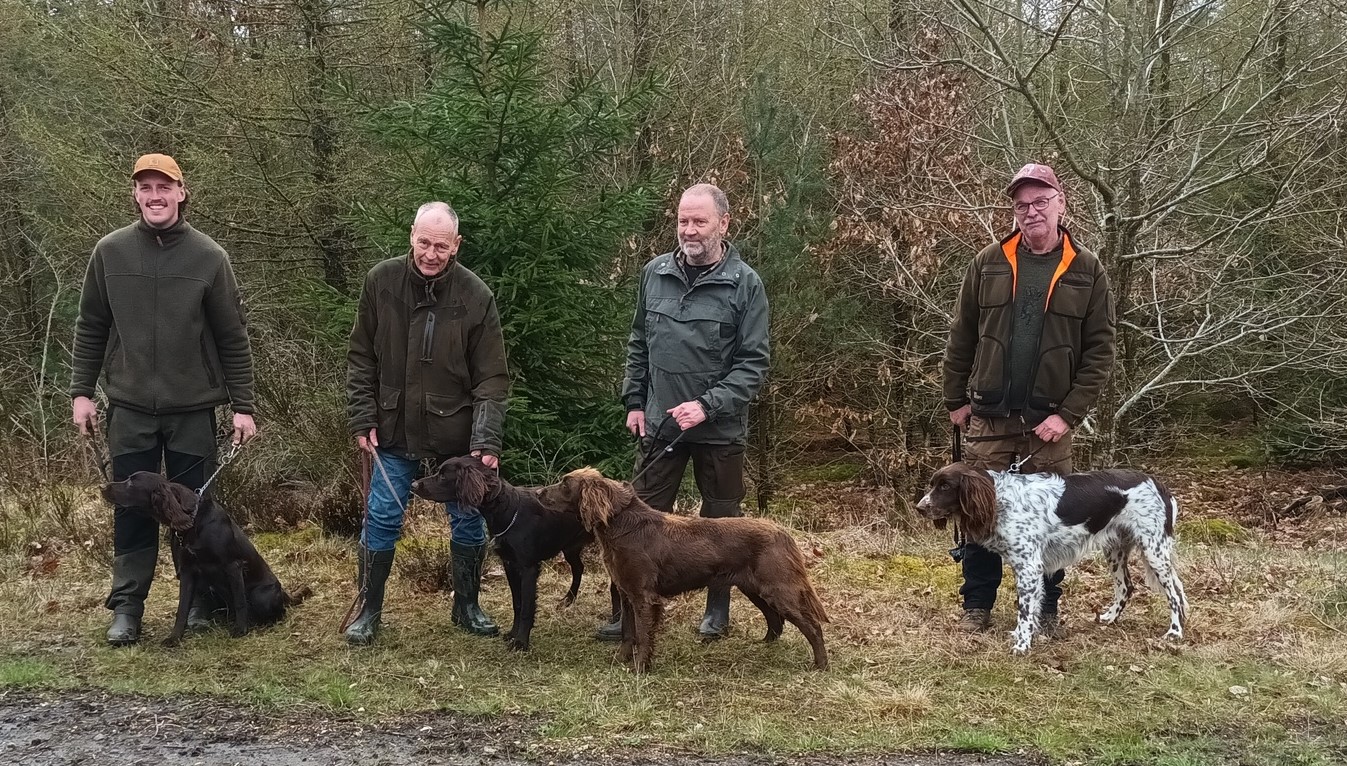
[1075,350]
[426,365]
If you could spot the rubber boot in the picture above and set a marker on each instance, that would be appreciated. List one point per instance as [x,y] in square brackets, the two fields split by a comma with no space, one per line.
[716,622]
[132,574]
[467,572]
[374,569]
[200,616]
[612,630]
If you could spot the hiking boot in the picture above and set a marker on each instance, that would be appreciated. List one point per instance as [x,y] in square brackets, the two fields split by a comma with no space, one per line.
[975,620]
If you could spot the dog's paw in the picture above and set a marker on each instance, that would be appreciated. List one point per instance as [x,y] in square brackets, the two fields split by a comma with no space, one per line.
[172,642]
[516,644]
[237,632]
[566,601]
[1174,634]
[1108,616]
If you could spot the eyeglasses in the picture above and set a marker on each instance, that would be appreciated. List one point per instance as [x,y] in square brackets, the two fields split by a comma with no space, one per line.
[1039,204]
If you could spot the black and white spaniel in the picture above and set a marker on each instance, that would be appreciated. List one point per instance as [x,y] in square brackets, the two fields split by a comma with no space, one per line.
[1043,522]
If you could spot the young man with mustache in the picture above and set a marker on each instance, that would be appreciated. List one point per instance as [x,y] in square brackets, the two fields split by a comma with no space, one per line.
[161,319]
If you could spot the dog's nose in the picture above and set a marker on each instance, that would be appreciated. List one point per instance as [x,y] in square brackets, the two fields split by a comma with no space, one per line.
[925,502]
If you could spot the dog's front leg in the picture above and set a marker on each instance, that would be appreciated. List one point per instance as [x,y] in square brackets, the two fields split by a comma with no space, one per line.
[238,598]
[646,615]
[575,558]
[526,608]
[512,578]
[626,649]
[1029,590]
[186,591]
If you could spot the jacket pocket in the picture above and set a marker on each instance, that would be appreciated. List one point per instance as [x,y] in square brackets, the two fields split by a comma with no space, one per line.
[211,377]
[1071,298]
[996,287]
[110,356]
[688,336]
[987,383]
[448,424]
[1055,376]
[386,417]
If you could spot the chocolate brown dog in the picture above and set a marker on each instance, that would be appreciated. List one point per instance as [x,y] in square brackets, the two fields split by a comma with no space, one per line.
[212,555]
[653,555]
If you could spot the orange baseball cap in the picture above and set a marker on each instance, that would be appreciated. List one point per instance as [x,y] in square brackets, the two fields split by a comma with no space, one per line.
[158,162]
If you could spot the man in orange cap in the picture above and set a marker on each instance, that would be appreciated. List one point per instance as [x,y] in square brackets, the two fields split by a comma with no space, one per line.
[161,320]
[1030,347]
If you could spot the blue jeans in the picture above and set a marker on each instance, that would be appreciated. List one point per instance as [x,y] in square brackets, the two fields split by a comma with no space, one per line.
[384,508]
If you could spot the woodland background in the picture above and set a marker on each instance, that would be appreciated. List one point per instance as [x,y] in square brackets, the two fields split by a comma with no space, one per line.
[863,145]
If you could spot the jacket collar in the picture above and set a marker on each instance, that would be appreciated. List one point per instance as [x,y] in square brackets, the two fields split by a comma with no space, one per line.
[165,238]
[721,273]
[429,283]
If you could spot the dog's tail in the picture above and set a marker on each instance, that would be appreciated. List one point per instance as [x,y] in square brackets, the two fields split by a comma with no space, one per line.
[810,601]
[813,603]
[297,598]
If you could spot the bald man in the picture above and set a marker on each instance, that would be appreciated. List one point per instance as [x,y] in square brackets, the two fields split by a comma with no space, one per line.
[426,381]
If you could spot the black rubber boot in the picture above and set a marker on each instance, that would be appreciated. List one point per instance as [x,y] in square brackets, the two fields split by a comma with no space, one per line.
[716,622]
[374,569]
[467,572]
[132,574]
[124,630]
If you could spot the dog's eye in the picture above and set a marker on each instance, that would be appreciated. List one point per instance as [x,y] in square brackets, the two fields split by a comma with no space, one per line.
[943,485]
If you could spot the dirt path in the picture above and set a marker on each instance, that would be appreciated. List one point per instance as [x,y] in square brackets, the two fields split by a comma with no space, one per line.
[97,728]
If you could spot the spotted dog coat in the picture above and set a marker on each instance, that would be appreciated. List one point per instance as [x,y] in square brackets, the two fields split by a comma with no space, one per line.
[1044,522]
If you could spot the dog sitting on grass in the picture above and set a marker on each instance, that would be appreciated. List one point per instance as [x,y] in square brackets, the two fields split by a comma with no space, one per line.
[211,553]
[652,555]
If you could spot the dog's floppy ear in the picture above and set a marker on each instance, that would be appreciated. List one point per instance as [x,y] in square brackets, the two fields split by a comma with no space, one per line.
[977,502]
[471,486]
[168,505]
[596,497]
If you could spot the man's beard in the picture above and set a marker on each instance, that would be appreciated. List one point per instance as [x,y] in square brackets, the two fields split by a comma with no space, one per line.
[709,251]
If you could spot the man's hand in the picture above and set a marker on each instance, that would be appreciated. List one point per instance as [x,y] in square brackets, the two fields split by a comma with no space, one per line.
[636,423]
[488,460]
[368,442]
[1052,429]
[244,428]
[85,415]
[961,416]
[688,414]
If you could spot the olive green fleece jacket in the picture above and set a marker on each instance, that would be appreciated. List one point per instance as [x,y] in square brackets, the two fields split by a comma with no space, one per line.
[426,364]
[706,342]
[161,319]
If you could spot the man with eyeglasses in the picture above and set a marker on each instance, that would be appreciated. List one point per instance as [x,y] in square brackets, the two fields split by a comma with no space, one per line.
[1029,349]
[426,380]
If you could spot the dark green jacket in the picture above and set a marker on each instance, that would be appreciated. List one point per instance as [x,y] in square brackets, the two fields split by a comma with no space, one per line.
[426,364]
[708,343]
[1075,350]
[160,318]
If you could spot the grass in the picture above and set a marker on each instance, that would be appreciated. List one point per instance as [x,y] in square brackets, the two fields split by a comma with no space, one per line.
[1262,677]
